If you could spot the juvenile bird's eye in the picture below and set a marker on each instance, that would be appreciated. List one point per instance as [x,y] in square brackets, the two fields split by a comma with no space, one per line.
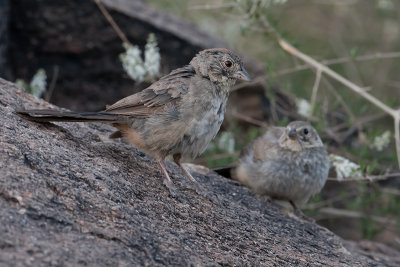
[305,131]
[228,63]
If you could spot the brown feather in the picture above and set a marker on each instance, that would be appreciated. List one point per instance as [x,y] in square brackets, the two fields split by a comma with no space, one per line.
[266,142]
[152,100]
[44,115]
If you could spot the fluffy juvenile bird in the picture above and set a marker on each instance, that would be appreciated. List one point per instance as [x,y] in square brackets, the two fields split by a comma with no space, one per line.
[285,163]
[177,115]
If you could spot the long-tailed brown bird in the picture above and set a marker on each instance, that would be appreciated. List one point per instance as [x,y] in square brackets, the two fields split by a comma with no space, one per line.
[177,115]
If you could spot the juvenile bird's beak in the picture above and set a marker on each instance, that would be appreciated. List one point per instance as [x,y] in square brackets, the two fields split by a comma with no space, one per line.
[292,134]
[242,75]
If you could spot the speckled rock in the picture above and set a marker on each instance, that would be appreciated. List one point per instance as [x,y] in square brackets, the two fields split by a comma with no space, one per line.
[69,196]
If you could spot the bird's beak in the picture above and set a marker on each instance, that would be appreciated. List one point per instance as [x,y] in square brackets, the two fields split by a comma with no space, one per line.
[292,134]
[242,75]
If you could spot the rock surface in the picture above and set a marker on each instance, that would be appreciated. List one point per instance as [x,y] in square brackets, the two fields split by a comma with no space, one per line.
[68,196]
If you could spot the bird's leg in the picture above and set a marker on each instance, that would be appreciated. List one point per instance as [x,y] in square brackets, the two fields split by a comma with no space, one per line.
[167,181]
[300,214]
[293,205]
[177,159]
[197,187]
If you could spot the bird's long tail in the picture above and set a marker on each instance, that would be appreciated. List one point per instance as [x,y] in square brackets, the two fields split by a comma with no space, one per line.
[45,115]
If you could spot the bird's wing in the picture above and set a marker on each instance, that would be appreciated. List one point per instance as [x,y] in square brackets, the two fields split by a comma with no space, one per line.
[266,142]
[273,135]
[152,100]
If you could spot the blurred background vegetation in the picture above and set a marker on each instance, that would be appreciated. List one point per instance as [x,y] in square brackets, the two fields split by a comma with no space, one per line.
[361,41]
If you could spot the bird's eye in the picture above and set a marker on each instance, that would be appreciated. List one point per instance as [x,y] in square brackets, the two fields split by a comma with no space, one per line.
[228,63]
[305,131]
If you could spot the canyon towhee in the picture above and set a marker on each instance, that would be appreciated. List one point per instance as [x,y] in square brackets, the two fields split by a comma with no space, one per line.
[285,163]
[177,115]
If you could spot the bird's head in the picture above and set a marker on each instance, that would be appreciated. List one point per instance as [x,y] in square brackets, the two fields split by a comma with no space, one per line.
[300,135]
[220,65]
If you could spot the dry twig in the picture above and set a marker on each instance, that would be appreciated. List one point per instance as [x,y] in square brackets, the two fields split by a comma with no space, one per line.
[330,201]
[109,18]
[212,6]
[339,98]
[388,55]
[315,91]
[249,119]
[204,160]
[368,178]
[333,212]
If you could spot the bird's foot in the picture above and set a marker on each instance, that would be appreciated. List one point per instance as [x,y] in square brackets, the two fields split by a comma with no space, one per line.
[195,185]
[299,214]
[200,190]
[173,191]
[169,184]
[171,187]
[302,216]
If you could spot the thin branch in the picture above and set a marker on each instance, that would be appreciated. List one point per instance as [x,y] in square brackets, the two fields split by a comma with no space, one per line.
[330,201]
[360,121]
[394,84]
[315,92]
[112,22]
[208,6]
[205,159]
[336,2]
[333,212]
[339,98]
[309,60]
[358,124]
[390,191]
[397,135]
[368,178]
[334,61]
[351,157]
[249,119]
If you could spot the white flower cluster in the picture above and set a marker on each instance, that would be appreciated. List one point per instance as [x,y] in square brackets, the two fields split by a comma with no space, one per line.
[345,168]
[133,64]
[38,83]
[152,56]
[226,142]
[303,107]
[381,141]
